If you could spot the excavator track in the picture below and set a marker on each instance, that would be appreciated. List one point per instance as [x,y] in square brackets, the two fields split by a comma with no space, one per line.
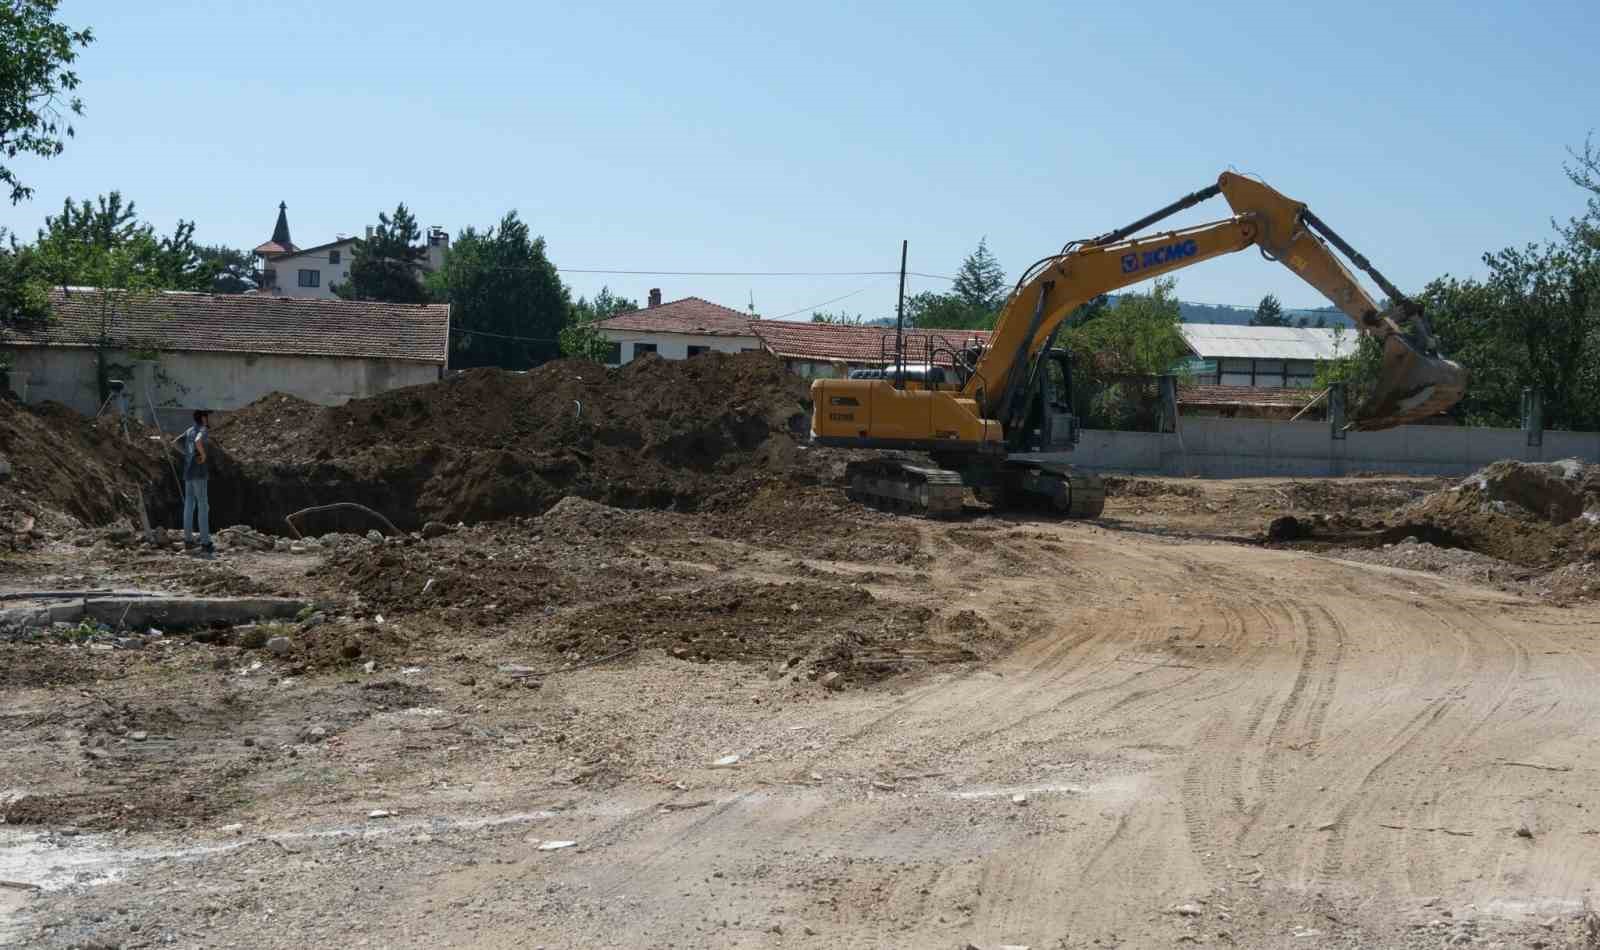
[1058,488]
[897,486]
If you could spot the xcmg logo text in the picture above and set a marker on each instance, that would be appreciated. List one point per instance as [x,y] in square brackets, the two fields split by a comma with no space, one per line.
[1161,255]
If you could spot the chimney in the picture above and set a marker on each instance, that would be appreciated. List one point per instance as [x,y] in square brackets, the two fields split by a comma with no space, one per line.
[369,232]
[655,296]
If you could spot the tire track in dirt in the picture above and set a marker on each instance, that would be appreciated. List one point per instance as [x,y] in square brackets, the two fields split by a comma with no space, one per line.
[1318,671]
[1214,777]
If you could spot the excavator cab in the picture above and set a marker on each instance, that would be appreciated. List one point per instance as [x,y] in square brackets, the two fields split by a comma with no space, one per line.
[1049,425]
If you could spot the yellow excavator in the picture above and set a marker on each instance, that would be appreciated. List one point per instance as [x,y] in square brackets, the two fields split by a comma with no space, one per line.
[1000,422]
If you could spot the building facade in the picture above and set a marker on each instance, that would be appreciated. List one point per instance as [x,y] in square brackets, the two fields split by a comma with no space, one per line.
[677,330]
[176,352]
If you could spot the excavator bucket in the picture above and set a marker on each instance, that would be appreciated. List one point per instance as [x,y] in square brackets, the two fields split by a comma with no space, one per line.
[1411,387]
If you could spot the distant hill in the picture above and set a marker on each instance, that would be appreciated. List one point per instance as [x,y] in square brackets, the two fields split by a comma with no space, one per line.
[1240,316]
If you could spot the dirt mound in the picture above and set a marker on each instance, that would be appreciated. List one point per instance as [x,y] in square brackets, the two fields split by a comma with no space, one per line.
[487,444]
[807,628]
[67,470]
[1532,514]
[268,428]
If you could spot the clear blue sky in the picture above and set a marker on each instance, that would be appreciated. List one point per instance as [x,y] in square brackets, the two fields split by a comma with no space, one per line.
[814,136]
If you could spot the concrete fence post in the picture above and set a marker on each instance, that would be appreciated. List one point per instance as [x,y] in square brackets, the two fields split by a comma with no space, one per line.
[1336,400]
[1533,416]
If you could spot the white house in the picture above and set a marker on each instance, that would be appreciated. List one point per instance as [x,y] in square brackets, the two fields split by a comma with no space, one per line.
[677,330]
[311,272]
[180,351]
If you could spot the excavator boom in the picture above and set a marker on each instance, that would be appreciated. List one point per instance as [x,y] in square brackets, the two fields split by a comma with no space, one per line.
[1414,382]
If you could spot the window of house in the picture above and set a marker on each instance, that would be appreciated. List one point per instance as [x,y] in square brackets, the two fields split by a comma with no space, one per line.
[613,354]
[310,278]
[697,350]
[269,277]
[333,256]
[640,349]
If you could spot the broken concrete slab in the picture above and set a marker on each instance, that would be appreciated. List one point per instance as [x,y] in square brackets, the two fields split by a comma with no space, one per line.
[142,611]
[183,612]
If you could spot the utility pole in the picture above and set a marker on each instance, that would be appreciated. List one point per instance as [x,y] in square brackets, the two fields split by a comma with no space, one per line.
[900,323]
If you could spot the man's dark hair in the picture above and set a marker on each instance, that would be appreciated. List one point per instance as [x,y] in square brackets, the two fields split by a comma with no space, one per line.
[200,415]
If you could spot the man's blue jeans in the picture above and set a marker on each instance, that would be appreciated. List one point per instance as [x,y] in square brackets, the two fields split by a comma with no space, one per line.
[196,505]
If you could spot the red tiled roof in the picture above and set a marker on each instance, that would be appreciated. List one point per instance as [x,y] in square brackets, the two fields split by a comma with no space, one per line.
[272,248]
[245,323]
[689,315]
[1265,397]
[825,342]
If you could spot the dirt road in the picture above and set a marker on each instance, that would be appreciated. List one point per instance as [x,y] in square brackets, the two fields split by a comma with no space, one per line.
[1180,741]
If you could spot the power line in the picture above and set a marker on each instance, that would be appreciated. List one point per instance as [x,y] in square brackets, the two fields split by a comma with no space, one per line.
[814,306]
[502,336]
[751,273]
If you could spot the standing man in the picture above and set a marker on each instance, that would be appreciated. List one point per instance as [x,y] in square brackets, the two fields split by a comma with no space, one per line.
[196,479]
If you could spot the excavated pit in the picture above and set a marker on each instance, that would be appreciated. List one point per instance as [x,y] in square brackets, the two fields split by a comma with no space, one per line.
[486,445]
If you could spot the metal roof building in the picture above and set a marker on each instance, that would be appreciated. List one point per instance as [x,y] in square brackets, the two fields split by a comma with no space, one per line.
[1231,355]
[1221,341]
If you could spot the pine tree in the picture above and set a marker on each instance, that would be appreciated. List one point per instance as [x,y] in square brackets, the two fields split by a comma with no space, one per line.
[387,265]
[980,282]
[1269,313]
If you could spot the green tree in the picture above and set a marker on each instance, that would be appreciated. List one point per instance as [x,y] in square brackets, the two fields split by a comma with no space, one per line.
[1269,313]
[506,299]
[980,282]
[1117,346]
[76,244]
[1136,336]
[973,302]
[1357,366]
[36,82]
[232,271]
[580,338]
[120,273]
[387,266]
[24,287]
[1585,173]
[936,311]
[841,318]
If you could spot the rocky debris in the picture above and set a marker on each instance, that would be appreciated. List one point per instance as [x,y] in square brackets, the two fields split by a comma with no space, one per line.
[243,536]
[1415,555]
[279,646]
[1531,514]
[1551,490]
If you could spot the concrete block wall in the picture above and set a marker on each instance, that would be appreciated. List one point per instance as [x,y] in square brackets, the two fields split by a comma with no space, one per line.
[1230,448]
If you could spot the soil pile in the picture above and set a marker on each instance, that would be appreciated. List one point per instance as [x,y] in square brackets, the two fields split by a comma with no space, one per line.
[1534,514]
[488,444]
[270,427]
[67,471]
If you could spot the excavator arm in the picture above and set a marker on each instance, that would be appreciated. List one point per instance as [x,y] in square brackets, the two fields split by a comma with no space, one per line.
[1414,382]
